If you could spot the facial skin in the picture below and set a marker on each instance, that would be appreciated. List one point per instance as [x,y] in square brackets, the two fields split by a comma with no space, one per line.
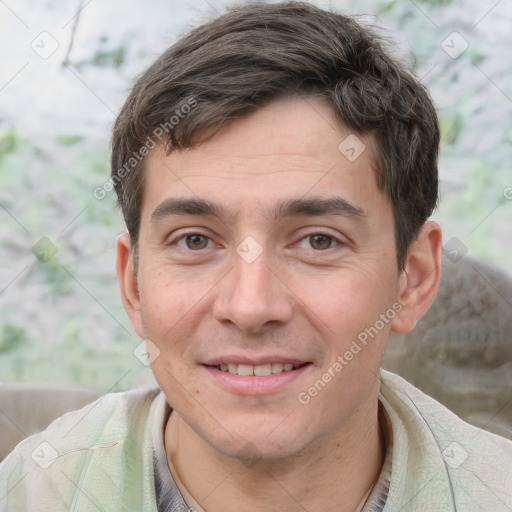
[304,297]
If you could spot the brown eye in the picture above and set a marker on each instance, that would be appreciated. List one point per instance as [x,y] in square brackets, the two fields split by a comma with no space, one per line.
[196,241]
[320,241]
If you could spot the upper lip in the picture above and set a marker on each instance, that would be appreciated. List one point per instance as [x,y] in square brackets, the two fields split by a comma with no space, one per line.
[254,360]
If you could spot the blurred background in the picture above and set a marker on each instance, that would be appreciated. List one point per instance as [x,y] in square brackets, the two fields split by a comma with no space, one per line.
[66,68]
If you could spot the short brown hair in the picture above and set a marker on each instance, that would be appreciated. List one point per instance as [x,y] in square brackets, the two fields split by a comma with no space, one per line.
[259,52]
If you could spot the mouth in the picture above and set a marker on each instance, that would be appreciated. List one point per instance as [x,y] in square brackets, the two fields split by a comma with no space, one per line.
[264,378]
[260,370]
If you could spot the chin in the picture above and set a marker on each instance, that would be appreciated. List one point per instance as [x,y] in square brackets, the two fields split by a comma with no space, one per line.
[250,451]
[254,440]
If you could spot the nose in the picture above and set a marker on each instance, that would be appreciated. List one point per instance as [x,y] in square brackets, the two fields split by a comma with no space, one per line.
[252,296]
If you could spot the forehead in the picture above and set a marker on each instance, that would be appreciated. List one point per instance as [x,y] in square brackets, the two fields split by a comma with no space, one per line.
[302,127]
[291,148]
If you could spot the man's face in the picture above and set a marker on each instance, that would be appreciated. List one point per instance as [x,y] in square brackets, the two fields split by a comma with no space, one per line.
[279,277]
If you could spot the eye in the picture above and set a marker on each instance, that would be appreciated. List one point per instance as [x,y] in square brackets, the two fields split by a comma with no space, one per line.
[193,242]
[319,241]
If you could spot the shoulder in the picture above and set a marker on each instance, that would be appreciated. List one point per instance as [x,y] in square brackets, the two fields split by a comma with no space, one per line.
[429,416]
[466,463]
[106,434]
[102,419]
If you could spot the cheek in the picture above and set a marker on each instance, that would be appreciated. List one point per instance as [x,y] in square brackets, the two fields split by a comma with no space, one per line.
[348,314]
[346,298]
[174,308]
[167,299]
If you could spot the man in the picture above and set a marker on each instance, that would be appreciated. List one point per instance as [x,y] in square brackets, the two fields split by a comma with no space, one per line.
[276,169]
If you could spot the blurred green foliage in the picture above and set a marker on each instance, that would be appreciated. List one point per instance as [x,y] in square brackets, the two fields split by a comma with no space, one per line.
[68,140]
[8,143]
[12,337]
[108,57]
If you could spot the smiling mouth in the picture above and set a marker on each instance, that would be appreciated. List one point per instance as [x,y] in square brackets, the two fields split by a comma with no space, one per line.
[261,370]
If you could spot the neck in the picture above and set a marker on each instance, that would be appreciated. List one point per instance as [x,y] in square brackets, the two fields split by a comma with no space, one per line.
[331,474]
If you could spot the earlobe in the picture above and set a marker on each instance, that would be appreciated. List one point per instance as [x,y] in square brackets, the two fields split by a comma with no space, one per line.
[128,283]
[419,281]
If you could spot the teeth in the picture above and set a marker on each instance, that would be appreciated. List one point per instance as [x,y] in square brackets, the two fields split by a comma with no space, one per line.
[261,370]
[245,369]
[277,367]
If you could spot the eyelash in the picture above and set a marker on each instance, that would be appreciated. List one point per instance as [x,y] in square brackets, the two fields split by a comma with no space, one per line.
[183,236]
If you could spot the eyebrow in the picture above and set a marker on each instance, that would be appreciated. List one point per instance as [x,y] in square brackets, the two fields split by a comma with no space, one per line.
[315,206]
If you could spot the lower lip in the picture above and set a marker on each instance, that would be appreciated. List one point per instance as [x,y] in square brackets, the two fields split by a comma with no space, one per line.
[252,385]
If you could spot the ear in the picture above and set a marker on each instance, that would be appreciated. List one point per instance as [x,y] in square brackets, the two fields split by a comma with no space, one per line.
[128,284]
[419,281]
